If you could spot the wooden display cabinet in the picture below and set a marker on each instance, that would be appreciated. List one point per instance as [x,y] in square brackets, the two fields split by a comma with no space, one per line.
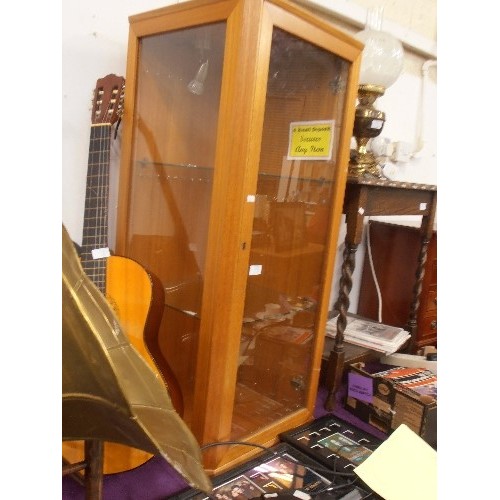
[237,122]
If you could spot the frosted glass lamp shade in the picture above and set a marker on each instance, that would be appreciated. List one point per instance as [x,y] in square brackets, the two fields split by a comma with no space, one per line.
[382,58]
[381,64]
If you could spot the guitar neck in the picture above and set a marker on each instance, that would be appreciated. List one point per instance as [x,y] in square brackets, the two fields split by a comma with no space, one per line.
[95,223]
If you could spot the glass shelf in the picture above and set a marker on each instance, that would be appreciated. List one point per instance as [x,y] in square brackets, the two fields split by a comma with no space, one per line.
[264,173]
[146,163]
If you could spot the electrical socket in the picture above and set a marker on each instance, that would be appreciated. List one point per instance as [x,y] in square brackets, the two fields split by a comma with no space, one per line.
[402,152]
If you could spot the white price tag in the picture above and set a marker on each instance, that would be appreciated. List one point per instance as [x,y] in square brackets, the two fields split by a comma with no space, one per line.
[100,253]
[255,270]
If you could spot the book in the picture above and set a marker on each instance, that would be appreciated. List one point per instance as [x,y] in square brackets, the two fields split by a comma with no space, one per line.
[370,334]
[385,349]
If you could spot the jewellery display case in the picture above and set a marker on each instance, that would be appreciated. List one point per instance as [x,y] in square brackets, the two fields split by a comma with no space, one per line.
[237,123]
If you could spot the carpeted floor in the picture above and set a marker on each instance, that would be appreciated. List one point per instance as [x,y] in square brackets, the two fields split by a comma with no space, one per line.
[156,480]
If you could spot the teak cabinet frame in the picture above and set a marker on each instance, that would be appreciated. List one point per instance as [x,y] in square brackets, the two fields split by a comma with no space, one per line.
[249,27]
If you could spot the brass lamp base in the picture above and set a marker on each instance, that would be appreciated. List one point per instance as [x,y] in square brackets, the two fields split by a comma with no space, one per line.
[368,123]
[364,164]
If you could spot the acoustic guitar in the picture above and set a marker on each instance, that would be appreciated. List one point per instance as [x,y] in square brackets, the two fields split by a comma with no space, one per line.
[136,296]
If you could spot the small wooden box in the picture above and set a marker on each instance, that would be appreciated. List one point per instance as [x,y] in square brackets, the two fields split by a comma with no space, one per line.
[283,356]
[386,405]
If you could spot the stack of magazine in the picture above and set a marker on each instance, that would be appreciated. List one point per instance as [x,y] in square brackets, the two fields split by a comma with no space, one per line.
[370,334]
[418,380]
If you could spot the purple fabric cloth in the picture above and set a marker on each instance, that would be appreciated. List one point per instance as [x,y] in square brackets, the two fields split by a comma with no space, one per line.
[156,479]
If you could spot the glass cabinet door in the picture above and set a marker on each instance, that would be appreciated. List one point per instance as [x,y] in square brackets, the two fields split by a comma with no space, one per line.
[304,107]
[175,124]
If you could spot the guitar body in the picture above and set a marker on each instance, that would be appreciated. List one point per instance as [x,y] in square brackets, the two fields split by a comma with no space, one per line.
[137,300]
[129,290]
[137,297]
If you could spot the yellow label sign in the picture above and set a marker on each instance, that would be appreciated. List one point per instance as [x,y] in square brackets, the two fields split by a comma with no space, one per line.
[311,140]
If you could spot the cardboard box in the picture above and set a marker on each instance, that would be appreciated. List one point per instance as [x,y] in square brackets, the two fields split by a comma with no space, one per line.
[386,403]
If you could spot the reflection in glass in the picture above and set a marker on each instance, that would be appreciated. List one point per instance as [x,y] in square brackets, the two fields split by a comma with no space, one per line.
[171,186]
[305,89]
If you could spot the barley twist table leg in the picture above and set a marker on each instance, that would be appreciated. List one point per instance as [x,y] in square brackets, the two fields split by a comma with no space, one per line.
[417,289]
[335,366]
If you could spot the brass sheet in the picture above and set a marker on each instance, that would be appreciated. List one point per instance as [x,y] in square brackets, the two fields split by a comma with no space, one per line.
[109,392]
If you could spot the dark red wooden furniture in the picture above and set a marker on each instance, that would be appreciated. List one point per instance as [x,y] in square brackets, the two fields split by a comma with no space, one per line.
[377,197]
[393,246]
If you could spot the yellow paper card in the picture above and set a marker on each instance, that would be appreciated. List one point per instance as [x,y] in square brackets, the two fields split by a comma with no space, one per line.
[311,140]
[404,467]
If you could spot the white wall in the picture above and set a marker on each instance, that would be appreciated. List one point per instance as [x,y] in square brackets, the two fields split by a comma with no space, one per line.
[94,44]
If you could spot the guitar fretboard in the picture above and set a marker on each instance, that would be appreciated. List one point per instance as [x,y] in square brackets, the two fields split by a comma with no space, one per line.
[95,223]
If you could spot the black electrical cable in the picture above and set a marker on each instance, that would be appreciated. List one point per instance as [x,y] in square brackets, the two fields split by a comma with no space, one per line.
[333,488]
[368,496]
[245,443]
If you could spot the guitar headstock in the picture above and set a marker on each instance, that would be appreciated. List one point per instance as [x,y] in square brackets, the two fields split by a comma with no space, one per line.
[107,105]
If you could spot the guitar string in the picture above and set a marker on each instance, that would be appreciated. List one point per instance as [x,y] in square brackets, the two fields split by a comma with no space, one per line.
[98,190]
[101,226]
[93,194]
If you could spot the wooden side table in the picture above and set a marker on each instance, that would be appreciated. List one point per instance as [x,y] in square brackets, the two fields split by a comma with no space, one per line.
[376,197]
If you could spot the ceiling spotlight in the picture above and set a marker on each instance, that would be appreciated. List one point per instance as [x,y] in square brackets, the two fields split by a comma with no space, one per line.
[196,85]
